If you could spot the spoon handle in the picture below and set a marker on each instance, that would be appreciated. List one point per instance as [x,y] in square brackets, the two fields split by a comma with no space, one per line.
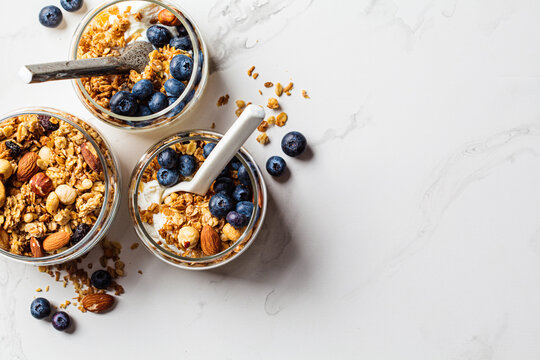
[225,150]
[72,69]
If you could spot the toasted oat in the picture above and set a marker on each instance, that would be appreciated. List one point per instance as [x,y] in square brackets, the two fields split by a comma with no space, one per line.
[263,126]
[281,119]
[250,71]
[255,75]
[213,125]
[223,100]
[47,288]
[38,290]
[271,120]
[288,87]
[279,89]
[273,103]
[288,93]
[268,84]
[305,94]
[134,246]
[260,92]
[263,138]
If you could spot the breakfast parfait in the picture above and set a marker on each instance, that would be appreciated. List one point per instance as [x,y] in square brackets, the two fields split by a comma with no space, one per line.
[170,80]
[193,226]
[54,184]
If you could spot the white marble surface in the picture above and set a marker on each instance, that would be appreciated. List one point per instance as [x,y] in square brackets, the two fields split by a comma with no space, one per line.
[412,233]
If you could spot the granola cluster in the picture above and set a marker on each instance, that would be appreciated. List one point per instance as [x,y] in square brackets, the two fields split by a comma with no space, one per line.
[52,187]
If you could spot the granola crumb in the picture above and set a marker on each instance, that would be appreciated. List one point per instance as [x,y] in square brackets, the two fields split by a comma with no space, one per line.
[288,88]
[281,119]
[90,265]
[263,138]
[223,100]
[134,246]
[255,75]
[260,92]
[140,272]
[288,93]
[250,71]
[273,103]
[279,89]
[47,288]
[268,84]
[263,126]
[213,125]
[38,290]
[271,120]
[305,94]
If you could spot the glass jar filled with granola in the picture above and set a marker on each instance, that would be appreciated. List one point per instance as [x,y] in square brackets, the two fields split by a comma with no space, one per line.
[59,186]
[171,83]
[188,230]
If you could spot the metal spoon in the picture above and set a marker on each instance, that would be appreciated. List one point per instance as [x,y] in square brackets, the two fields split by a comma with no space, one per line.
[224,151]
[134,56]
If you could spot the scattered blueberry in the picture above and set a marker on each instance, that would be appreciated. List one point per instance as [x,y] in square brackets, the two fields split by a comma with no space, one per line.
[177,109]
[174,87]
[224,184]
[245,208]
[14,148]
[79,233]
[124,103]
[46,123]
[101,279]
[181,43]
[158,35]
[241,193]
[50,16]
[143,110]
[158,102]
[168,158]
[40,308]
[236,219]
[181,67]
[207,149]
[293,143]
[71,5]
[187,164]
[243,175]
[60,321]
[275,165]
[143,89]
[235,163]
[168,177]
[220,204]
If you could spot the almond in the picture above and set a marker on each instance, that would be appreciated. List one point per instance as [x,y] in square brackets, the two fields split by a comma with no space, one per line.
[41,184]
[210,241]
[56,241]
[167,18]
[91,157]
[35,247]
[97,302]
[27,166]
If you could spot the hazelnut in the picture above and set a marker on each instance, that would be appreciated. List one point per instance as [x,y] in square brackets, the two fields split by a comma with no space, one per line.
[66,194]
[167,18]
[29,217]
[52,203]
[5,169]
[46,154]
[41,184]
[231,233]
[188,237]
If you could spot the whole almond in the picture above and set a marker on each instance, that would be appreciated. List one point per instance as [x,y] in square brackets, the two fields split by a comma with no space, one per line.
[27,166]
[35,247]
[91,157]
[97,302]
[41,184]
[210,241]
[56,241]
[167,18]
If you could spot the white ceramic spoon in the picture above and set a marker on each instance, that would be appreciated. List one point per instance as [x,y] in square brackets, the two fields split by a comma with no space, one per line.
[220,156]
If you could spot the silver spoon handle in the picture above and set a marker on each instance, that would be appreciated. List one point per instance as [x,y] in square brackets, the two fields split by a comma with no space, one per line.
[72,69]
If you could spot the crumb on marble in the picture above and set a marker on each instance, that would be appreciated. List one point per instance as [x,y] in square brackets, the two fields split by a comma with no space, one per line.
[223,100]
[250,71]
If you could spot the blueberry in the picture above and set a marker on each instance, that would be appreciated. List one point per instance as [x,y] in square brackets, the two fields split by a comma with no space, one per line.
[174,87]
[71,5]
[181,67]
[181,30]
[158,102]
[235,163]
[237,220]
[168,177]
[47,124]
[79,233]
[177,109]
[60,321]
[241,193]
[158,35]
[143,110]
[224,173]
[50,16]
[181,43]
[14,148]
[293,143]
[224,184]
[101,279]
[275,165]
[243,175]
[220,204]
[187,165]
[245,208]
[40,308]
[168,158]
[189,96]
[207,149]
[143,89]
[124,103]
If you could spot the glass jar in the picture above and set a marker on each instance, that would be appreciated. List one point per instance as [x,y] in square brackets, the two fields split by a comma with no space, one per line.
[110,191]
[167,253]
[175,111]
